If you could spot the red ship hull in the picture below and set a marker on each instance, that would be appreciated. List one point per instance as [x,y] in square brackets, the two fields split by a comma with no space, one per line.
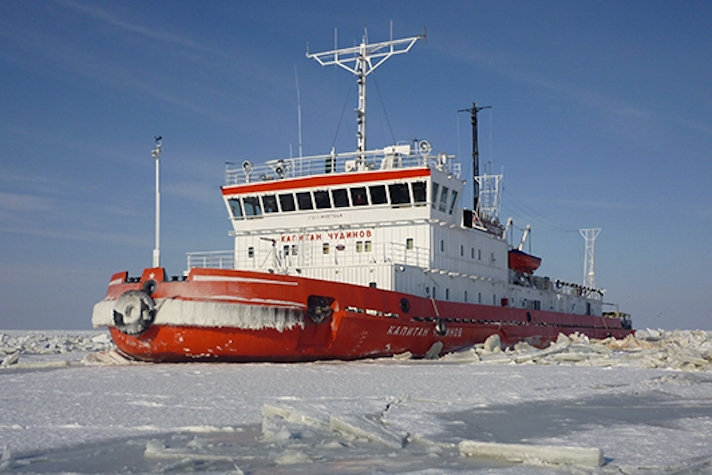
[232,315]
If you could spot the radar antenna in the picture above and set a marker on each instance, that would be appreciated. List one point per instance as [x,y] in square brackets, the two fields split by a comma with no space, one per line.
[362,60]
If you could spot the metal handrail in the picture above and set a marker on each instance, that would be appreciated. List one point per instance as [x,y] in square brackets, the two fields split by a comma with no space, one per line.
[383,159]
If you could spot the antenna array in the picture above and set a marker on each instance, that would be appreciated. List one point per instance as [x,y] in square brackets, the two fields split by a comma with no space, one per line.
[359,60]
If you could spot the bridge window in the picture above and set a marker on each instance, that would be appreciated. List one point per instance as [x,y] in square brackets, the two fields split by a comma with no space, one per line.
[378,194]
[322,200]
[252,206]
[358,196]
[409,243]
[235,208]
[399,193]
[269,202]
[453,201]
[359,246]
[304,200]
[443,199]
[367,246]
[435,193]
[419,192]
[340,197]
[286,201]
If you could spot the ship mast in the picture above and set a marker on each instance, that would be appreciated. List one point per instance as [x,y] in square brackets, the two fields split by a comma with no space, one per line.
[475,153]
[361,61]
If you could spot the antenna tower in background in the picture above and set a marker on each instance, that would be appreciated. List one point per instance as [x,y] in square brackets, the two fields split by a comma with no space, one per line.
[589,277]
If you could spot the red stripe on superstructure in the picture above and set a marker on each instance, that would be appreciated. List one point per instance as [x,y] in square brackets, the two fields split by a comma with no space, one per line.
[325,180]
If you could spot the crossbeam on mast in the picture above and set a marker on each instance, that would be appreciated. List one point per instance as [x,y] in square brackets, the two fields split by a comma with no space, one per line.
[361,61]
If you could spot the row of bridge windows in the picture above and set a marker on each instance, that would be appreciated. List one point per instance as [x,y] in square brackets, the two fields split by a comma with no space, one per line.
[395,194]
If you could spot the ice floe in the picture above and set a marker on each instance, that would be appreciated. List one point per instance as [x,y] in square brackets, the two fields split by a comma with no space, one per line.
[35,350]
[52,342]
[578,406]
[533,454]
[684,350]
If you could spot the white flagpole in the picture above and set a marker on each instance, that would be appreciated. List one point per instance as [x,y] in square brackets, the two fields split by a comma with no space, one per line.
[156,153]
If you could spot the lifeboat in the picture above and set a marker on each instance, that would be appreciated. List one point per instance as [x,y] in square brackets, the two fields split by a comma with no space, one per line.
[520,261]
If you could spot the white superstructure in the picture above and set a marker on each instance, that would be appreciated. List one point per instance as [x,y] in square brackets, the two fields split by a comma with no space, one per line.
[387,218]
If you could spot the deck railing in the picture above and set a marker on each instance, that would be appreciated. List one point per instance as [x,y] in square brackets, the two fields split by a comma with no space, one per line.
[211,259]
[282,260]
[389,158]
[310,256]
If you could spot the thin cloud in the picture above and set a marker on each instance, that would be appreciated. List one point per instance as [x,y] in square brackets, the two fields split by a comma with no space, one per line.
[597,204]
[48,51]
[153,33]
[17,202]
[34,229]
[511,68]
[194,191]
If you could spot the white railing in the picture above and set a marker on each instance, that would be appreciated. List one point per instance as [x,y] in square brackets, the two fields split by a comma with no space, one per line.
[385,159]
[310,256]
[211,259]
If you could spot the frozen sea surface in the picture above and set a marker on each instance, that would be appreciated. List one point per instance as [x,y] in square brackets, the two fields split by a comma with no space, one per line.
[68,404]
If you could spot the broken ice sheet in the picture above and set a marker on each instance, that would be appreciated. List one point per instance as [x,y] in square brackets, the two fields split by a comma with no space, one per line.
[100,418]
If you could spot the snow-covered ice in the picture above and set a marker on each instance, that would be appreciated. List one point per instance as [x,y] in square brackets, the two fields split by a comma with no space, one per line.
[70,404]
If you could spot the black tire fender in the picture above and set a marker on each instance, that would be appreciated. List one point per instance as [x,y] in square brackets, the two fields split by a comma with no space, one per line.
[319,308]
[134,312]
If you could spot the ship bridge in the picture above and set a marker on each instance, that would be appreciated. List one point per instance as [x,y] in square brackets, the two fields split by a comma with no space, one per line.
[344,189]
[340,211]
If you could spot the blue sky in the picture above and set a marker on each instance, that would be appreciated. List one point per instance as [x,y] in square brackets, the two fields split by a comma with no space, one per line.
[601,117]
